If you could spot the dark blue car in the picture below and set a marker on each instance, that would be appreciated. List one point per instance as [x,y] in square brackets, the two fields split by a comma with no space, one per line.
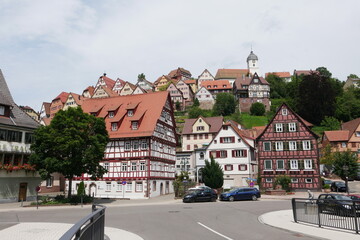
[241,194]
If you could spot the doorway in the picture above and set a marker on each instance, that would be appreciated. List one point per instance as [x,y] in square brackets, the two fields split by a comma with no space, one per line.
[22,192]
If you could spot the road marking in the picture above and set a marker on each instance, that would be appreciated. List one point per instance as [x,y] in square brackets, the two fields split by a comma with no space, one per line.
[214,231]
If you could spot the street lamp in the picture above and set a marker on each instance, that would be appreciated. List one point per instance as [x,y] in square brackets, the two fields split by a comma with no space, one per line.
[346,169]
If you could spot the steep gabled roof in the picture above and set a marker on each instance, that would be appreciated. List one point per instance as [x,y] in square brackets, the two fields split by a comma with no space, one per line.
[351,126]
[174,73]
[214,122]
[163,76]
[62,97]
[90,89]
[241,82]
[231,73]
[337,136]
[218,84]
[149,107]
[108,81]
[301,120]
[208,72]
[46,107]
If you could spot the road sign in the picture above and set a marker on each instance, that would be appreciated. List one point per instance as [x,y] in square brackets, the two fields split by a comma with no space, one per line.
[123,182]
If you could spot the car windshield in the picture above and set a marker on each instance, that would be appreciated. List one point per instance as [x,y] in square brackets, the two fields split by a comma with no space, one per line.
[190,191]
[340,184]
[234,190]
[341,197]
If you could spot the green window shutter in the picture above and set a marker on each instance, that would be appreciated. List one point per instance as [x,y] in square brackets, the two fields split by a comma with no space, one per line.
[288,164]
[286,127]
[299,145]
[286,146]
[273,146]
[313,164]
[301,164]
[274,126]
[297,127]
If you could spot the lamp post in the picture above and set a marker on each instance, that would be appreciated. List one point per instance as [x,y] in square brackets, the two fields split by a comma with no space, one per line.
[346,169]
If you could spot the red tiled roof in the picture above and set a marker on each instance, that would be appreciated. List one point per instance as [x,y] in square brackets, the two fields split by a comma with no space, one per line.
[174,72]
[337,136]
[62,96]
[90,89]
[279,74]
[210,85]
[214,122]
[351,126]
[165,76]
[190,81]
[150,105]
[108,81]
[241,82]
[47,107]
[304,72]
[231,73]
[46,121]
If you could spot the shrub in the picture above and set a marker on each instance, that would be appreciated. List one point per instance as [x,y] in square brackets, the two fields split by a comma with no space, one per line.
[81,189]
[257,109]
[284,182]
[326,186]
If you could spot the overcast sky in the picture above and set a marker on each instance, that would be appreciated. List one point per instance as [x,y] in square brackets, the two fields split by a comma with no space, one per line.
[47,47]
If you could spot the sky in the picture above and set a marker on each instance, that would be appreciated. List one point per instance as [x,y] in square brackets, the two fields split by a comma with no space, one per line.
[47,47]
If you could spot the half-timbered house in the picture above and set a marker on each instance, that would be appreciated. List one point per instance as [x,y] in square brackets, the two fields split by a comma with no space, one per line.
[140,156]
[288,147]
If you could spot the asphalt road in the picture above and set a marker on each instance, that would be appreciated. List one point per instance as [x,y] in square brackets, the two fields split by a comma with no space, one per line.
[210,221]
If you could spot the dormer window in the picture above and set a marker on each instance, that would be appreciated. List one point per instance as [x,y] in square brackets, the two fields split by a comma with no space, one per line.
[256,80]
[113,126]
[284,112]
[111,114]
[200,128]
[130,113]
[215,86]
[134,125]
[2,110]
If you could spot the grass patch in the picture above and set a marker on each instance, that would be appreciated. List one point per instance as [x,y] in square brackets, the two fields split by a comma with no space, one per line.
[249,121]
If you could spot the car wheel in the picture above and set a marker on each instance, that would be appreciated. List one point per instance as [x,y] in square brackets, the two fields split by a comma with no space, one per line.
[254,197]
[231,198]
[213,199]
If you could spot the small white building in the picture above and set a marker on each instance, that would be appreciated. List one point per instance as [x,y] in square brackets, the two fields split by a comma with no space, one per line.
[206,99]
[235,152]
[205,76]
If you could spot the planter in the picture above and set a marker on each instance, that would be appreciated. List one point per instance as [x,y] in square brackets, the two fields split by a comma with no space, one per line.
[275,192]
[327,190]
[18,174]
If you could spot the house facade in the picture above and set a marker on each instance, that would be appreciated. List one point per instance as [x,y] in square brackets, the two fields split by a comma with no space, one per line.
[73,100]
[31,112]
[127,89]
[198,132]
[205,98]
[231,74]
[176,96]
[186,91]
[288,147]
[179,74]
[140,156]
[355,82]
[103,92]
[235,152]
[119,84]
[204,76]
[162,81]
[218,86]
[18,179]
[249,90]
[58,103]
[185,163]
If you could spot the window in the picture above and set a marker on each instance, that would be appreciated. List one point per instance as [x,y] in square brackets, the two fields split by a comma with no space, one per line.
[278,127]
[111,114]
[292,127]
[144,144]
[106,166]
[154,186]
[187,137]
[2,110]
[133,166]
[268,180]
[279,146]
[284,112]
[135,145]
[294,180]
[357,134]
[268,165]
[307,164]
[142,166]
[113,126]
[239,153]
[200,136]
[227,139]
[118,186]
[130,113]
[267,146]
[206,136]
[201,155]
[223,154]
[200,128]
[292,146]
[228,167]
[306,145]
[280,164]
[195,137]
[134,125]
[242,167]
[108,186]
[49,182]
[124,167]
[139,187]
[294,164]
[29,137]
[308,180]
[127,146]
[343,144]
[129,186]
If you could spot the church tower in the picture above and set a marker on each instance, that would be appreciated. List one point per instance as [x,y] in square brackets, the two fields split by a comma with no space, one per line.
[253,64]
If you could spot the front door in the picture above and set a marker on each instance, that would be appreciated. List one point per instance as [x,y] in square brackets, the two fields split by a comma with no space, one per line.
[22,192]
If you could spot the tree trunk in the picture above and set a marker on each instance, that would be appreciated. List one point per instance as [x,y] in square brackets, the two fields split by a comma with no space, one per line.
[69,189]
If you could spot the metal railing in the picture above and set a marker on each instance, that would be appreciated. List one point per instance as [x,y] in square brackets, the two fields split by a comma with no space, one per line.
[91,227]
[342,214]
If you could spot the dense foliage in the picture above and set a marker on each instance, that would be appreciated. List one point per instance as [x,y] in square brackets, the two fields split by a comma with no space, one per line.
[224,105]
[342,159]
[73,144]
[284,181]
[257,109]
[212,173]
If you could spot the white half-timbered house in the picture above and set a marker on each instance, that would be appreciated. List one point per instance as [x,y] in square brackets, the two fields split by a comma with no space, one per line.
[140,157]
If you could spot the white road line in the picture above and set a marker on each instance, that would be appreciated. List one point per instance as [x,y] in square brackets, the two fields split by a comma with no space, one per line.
[214,231]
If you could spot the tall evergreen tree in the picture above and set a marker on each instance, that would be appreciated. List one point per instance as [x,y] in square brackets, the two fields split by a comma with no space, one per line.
[213,175]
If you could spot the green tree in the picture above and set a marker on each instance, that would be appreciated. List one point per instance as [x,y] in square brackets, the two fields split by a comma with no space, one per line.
[196,102]
[348,105]
[352,76]
[327,157]
[345,159]
[73,144]
[284,181]
[317,98]
[330,123]
[224,105]
[81,189]
[141,76]
[257,109]
[324,72]
[277,86]
[212,173]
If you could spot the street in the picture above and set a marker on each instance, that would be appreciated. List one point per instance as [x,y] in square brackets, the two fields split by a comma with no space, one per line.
[177,220]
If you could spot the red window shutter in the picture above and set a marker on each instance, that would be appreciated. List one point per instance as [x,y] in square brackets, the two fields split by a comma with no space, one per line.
[245,153]
[232,139]
[188,147]
[231,167]
[221,140]
[225,153]
[233,153]
[245,167]
[217,154]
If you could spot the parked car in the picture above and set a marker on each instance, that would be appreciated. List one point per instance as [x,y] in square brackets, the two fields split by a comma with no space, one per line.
[355,197]
[200,195]
[337,204]
[241,194]
[338,186]
[327,181]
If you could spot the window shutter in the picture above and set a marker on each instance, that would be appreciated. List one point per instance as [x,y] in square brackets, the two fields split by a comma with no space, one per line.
[245,153]
[311,145]
[217,154]
[232,139]
[221,140]
[299,146]
[288,165]
[245,167]
[297,127]
[233,153]
[274,127]
[273,146]
[313,164]
[286,127]
[301,164]
[286,146]
[226,154]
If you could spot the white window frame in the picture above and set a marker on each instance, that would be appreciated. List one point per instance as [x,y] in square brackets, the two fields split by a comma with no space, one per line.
[229,167]
[113,126]
[268,180]
[265,161]
[134,125]
[343,144]
[292,145]
[133,166]
[129,186]
[306,145]
[277,164]
[200,128]
[269,146]
[308,164]
[357,133]
[127,146]
[2,110]
[294,164]
[108,186]
[294,180]
[144,144]
[138,186]
[279,146]
[135,145]
[130,113]
[308,180]
[142,166]
[284,111]
[106,166]
[292,127]
[111,114]
[124,167]
[50,182]
[279,127]
[119,187]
